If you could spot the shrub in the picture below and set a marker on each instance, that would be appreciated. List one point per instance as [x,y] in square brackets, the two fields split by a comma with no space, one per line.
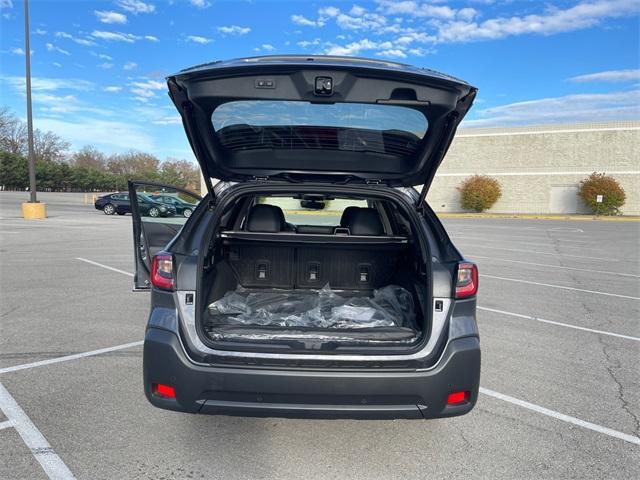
[479,193]
[613,195]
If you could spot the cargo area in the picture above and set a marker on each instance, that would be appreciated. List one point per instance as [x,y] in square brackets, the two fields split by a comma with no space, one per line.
[295,287]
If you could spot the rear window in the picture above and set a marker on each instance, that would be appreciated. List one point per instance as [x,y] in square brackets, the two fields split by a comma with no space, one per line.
[324,213]
[261,124]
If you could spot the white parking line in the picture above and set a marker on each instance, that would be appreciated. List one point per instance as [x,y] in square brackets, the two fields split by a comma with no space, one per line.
[559,324]
[562,287]
[66,358]
[555,254]
[561,416]
[104,266]
[462,238]
[51,463]
[606,272]
[499,236]
[6,424]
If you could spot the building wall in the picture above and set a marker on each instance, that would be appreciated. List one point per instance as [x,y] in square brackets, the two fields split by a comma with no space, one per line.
[534,164]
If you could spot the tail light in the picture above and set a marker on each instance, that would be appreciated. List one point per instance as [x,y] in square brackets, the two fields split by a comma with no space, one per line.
[164,390]
[457,398]
[162,271]
[467,282]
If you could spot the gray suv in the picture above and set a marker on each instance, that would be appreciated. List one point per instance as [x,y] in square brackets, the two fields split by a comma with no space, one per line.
[312,280]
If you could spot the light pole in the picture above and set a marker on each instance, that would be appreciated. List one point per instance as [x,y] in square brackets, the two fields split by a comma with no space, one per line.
[32,209]
[27,56]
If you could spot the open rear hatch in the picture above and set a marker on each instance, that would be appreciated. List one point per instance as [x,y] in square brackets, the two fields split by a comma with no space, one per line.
[335,119]
[313,119]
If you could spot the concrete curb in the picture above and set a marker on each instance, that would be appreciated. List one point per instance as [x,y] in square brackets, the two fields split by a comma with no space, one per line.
[539,217]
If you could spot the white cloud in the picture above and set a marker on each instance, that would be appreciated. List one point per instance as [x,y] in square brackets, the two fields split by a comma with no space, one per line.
[144,90]
[85,42]
[80,41]
[103,56]
[56,64]
[629,75]
[106,65]
[130,65]
[106,16]
[112,89]
[136,6]
[305,22]
[48,84]
[200,3]
[115,36]
[392,53]
[624,105]
[168,120]
[40,31]
[6,4]
[554,20]
[308,43]
[353,48]
[234,30]
[265,47]
[198,39]
[151,38]
[104,134]
[17,51]
[53,48]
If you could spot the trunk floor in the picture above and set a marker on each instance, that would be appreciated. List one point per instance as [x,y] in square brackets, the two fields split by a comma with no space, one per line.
[383,316]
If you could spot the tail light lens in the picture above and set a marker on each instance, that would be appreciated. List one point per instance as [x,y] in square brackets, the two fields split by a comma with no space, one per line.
[162,271]
[164,390]
[457,398]
[467,282]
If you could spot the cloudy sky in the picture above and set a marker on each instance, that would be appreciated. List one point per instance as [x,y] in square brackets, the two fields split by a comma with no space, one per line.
[98,67]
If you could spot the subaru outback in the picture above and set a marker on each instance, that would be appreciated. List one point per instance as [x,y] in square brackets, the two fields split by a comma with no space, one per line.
[313,279]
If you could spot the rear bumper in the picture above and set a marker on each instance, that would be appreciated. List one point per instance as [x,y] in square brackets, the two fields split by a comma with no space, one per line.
[265,392]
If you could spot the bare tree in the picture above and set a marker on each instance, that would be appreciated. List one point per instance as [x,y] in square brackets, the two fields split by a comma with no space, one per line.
[89,157]
[13,133]
[48,146]
[132,164]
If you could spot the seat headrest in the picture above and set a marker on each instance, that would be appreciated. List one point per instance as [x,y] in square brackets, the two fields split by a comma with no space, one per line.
[365,221]
[265,218]
[346,215]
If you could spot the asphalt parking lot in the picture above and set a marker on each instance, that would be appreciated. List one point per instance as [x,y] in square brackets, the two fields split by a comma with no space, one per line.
[559,313]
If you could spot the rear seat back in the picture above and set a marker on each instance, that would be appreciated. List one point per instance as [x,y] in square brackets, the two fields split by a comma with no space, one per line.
[298,264]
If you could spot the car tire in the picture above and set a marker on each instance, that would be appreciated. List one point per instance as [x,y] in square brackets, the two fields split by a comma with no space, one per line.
[121,213]
[187,212]
[109,209]
[154,212]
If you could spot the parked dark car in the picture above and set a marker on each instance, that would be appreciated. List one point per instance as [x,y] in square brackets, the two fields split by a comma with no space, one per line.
[183,207]
[364,309]
[119,203]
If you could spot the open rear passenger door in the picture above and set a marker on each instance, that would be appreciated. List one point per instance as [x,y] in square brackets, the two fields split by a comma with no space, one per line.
[159,212]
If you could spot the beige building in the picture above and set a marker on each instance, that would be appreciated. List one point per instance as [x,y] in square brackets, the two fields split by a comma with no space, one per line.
[540,167]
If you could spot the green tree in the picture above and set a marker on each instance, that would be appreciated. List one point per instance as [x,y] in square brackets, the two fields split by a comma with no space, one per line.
[610,191]
[14,171]
[479,193]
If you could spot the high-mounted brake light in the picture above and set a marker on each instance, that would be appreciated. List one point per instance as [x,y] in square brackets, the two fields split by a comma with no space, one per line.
[162,271]
[456,398]
[164,390]
[467,282]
